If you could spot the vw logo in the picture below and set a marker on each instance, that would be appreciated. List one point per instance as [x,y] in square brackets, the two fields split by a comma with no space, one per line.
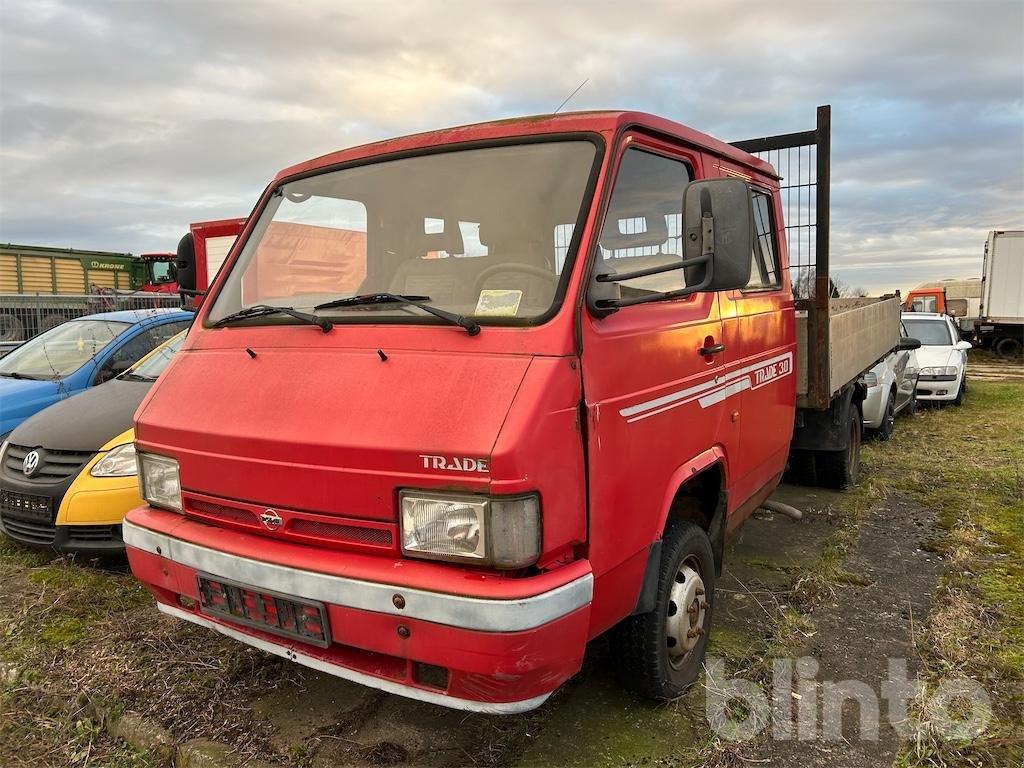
[31,464]
[270,519]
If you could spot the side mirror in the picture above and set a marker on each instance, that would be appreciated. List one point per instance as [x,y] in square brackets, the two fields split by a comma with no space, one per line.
[718,228]
[186,264]
[963,346]
[908,344]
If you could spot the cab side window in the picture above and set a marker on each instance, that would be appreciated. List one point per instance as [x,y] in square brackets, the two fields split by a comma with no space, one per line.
[643,226]
[764,272]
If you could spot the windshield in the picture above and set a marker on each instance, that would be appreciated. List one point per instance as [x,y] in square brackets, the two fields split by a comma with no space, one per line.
[163,271]
[931,333]
[154,365]
[62,350]
[483,233]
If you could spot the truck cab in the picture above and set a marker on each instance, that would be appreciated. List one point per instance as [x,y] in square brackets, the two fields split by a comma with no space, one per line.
[460,402]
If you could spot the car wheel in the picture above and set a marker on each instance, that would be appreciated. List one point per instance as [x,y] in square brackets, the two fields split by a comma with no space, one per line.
[659,654]
[912,406]
[840,469]
[884,431]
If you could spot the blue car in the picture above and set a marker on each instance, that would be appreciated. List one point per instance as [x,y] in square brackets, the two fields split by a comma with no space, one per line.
[79,354]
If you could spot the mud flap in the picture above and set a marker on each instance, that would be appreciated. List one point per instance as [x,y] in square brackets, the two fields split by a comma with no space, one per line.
[648,596]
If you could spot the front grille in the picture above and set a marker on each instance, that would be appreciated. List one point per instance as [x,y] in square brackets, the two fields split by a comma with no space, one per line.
[27,517]
[300,526]
[379,537]
[222,511]
[34,533]
[54,465]
[94,533]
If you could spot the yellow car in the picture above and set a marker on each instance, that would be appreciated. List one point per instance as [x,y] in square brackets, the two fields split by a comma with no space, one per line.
[67,474]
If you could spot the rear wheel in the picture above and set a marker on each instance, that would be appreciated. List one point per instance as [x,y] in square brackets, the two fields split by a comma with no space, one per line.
[840,469]
[1007,347]
[659,654]
[802,470]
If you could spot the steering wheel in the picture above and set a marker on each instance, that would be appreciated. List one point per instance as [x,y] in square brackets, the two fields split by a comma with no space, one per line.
[526,269]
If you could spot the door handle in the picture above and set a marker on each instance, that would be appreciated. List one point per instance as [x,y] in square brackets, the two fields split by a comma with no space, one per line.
[714,349]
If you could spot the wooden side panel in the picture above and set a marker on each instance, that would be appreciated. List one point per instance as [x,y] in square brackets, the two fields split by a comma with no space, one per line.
[70,276]
[103,278]
[8,273]
[36,275]
[862,332]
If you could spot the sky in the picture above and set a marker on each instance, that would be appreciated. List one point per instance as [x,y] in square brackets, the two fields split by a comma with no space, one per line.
[122,122]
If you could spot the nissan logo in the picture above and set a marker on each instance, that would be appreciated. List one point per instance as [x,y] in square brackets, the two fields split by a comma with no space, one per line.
[270,519]
[30,465]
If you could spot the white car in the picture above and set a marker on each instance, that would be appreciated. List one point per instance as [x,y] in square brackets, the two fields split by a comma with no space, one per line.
[942,358]
[891,387]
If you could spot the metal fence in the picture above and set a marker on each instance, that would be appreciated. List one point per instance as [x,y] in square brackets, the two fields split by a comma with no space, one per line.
[24,316]
[803,160]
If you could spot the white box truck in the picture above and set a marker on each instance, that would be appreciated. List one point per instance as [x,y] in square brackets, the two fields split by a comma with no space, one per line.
[1001,317]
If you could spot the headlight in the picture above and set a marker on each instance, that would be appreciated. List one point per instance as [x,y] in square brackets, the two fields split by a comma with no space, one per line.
[871,379]
[503,532]
[944,370]
[119,462]
[159,483]
[910,371]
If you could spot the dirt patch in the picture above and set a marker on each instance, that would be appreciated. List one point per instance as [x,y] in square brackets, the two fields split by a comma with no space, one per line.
[856,636]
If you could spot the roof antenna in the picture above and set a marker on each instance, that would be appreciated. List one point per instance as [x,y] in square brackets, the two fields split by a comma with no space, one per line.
[570,96]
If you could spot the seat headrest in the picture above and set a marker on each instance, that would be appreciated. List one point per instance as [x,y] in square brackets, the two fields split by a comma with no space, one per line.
[655,231]
[449,241]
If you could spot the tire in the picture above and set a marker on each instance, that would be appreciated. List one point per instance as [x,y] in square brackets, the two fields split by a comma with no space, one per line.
[1007,347]
[802,469]
[11,328]
[884,431]
[655,653]
[840,469]
[912,406]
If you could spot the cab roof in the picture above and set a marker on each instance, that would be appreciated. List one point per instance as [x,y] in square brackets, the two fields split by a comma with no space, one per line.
[606,123]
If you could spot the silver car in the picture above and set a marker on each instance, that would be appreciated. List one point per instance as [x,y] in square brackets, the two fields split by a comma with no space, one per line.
[891,386]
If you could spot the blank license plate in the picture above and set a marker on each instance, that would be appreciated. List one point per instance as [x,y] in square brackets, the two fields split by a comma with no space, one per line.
[293,617]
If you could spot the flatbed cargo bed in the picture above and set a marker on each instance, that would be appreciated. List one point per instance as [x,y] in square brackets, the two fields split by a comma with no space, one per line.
[861,332]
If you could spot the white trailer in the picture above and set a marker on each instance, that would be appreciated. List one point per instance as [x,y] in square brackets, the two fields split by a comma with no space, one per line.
[1001,316]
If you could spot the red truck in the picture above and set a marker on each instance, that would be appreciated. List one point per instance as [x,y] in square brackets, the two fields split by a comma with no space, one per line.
[460,402]
[201,252]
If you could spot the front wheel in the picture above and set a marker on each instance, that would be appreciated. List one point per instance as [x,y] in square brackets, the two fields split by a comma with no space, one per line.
[884,431]
[659,654]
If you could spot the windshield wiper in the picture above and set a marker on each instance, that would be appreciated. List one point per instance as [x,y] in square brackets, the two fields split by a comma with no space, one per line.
[16,375]
[135,377]
[472,328]
[258,310]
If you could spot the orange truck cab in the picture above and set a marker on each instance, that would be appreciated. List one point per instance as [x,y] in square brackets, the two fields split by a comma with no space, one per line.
[460,402]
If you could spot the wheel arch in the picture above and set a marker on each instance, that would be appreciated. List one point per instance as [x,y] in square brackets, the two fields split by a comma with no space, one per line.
[696,492]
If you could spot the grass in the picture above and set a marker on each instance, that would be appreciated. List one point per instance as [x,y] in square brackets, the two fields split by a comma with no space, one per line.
[86,642]
[968,465]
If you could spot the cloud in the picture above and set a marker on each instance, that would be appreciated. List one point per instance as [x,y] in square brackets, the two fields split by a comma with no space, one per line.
[121,122]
